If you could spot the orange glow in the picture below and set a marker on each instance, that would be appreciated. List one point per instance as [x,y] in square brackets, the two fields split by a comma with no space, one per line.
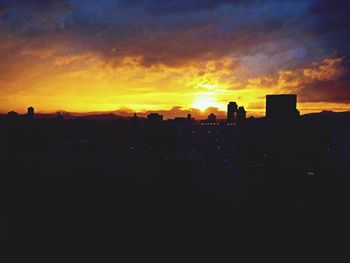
[52,80]
[204,101]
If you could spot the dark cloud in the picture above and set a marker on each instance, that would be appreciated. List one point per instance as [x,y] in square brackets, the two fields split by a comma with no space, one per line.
[37,5]
[2,9]
[325,82]
[33,18]
[331,27]
[170,31]
[332,24]
[159,7]
[165,32]
[332,15]
[325,91]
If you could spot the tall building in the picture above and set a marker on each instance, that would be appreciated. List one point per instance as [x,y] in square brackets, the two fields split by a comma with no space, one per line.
[30,113]
[231,111]
[241,114]
[281,106]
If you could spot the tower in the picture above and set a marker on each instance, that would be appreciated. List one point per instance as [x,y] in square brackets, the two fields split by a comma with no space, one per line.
[241,114]
[30,113]
[231,111]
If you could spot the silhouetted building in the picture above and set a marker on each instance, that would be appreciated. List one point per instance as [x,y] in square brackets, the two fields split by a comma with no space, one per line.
[241,114]
[182,120]
[281,106]
[134,119]
[3,228]
[340,148]
[154,121]
[211,117]
[12,115]
[30,113]
[231,112]
[155,117]
[178,121]
[59,116]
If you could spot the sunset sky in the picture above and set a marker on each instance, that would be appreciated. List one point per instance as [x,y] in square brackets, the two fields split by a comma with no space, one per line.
[129,55]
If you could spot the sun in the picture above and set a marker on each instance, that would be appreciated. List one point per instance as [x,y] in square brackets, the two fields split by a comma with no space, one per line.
[202,103]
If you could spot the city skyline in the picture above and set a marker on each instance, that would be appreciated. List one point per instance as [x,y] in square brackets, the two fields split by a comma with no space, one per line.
[140,56]
[230,114]
[234,113]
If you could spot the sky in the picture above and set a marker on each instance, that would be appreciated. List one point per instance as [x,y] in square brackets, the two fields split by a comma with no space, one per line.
[173,56]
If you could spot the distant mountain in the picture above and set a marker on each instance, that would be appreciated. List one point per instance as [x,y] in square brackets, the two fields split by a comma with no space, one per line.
[102,117]
[327,113]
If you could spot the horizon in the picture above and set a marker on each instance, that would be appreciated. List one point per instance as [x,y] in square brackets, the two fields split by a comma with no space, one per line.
[169,114]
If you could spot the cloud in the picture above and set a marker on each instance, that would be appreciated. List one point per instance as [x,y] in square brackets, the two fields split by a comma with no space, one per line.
[325,81]
[166,32]
[157,53]
[2,9]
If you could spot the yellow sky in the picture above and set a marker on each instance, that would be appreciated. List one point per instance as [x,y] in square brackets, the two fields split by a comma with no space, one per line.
[51,81]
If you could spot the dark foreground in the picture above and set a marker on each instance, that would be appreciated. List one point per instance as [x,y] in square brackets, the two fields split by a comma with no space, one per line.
[69,186]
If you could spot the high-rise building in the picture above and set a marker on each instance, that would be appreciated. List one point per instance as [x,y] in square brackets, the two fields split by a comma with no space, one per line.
[281,106]
[241,114]
[231,112]
[30,113]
